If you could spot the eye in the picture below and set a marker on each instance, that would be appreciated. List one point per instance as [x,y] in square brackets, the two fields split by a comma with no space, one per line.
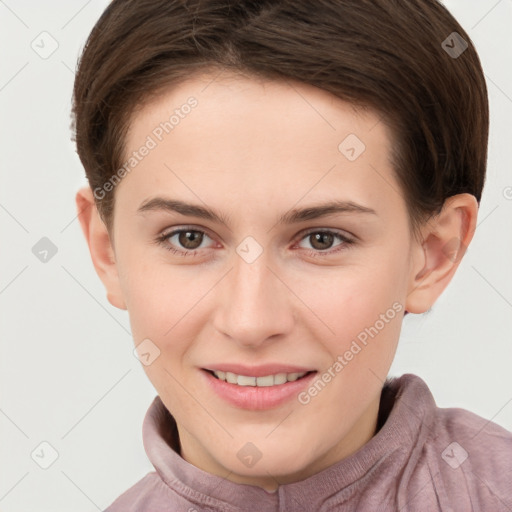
[322,240]
[189,239]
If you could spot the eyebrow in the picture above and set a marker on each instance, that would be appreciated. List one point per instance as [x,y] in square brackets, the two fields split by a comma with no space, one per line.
[291,217]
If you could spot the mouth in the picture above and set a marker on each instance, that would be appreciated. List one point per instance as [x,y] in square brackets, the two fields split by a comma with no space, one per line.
[276,379]
[264,392]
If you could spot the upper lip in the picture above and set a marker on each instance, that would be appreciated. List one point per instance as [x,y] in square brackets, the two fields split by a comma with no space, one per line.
[258,371]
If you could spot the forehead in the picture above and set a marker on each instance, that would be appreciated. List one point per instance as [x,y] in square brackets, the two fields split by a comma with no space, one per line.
[232,101]
[261,139]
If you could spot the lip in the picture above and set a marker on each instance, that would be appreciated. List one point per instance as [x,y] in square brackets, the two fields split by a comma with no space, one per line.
[258,371]
[256,398]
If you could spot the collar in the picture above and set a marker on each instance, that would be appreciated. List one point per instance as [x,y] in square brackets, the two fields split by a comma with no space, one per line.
[406,414]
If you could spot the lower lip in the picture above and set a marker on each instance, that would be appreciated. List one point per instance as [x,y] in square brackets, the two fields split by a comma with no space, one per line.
[256,398]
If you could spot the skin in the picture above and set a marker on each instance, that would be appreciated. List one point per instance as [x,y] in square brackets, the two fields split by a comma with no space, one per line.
[254,150]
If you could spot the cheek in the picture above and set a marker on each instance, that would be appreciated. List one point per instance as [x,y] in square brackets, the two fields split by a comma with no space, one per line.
[365,312]
[338,303]
[359,312]
[155,297]
[352,297]
[161,307]
[166,304]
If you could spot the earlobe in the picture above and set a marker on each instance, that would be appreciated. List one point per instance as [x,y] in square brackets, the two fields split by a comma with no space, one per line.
[100,247]
[446,238]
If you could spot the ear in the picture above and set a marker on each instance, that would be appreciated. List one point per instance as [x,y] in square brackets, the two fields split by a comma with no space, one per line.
[100,247]
[445,240]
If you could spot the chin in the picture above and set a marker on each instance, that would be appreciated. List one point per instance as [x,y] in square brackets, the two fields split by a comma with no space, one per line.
[278,464]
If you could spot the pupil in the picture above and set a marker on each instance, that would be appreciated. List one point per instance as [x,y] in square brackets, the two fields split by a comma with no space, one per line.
[185,239]
[321,236]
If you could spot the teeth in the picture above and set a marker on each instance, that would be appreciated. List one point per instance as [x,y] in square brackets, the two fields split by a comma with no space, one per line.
[242,380]
[231,378]
[267,380]
[280,378]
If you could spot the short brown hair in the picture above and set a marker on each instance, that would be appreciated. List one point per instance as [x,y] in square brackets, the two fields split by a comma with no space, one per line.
[390,56]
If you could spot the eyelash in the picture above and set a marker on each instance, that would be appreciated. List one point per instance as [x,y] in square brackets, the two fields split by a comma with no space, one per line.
[347,242]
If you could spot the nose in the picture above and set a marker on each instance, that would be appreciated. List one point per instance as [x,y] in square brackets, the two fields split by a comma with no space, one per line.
[254,305]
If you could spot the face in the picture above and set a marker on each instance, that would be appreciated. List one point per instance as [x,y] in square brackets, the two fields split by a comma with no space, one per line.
[270,284]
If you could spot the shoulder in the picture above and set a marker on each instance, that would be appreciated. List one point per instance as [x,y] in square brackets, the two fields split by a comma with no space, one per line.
[484,445]
[468,460]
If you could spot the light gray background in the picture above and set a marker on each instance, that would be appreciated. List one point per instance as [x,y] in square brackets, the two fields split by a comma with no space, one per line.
[68,374]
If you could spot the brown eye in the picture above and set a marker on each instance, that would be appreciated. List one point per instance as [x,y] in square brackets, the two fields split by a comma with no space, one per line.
[321,240]
[183,241]
[189,239]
